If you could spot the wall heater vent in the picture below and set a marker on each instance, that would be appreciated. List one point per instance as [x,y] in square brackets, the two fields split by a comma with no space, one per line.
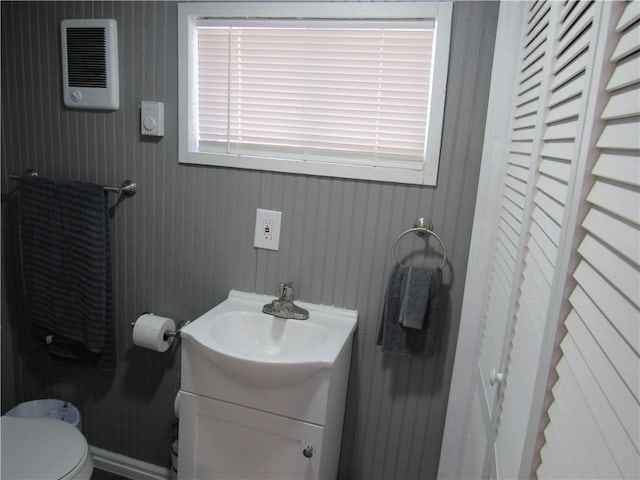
[90,64]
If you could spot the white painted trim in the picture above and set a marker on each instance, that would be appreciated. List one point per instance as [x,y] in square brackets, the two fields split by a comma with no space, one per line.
[505,60]
[427,173]
[127,466]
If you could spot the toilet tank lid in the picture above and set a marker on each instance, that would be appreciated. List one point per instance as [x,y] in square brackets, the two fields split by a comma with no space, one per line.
[39,448]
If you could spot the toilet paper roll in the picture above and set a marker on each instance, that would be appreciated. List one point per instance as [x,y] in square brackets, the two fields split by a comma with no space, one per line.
[149,330]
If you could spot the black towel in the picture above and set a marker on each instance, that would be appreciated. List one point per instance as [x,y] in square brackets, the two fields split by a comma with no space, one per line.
[66,262]
[393,336]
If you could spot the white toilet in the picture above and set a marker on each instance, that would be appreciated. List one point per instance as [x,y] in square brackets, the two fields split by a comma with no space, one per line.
[43,448]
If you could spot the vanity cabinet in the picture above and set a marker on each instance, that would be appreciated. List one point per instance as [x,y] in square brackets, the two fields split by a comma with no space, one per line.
[234,442]
[263,397]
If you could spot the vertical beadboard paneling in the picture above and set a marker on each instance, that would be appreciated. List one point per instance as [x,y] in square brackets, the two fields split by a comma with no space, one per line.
[187,237]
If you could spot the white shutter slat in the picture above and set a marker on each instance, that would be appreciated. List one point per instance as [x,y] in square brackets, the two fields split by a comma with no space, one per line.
[547,246]
[568,388]
[538,259]
[618,166]
[621,275]
[536,292]
[629,43]
[510,223]
[560,150]
[512,209]
[525,110]
[618,235]
[528,96]
[550,228]
[575,24]
[575,48]
[508,245]
[527,121]
[555,189]
[530,82]
[553,208]
[620,311]
[620,136]
[618,199]
[622,357]
[610,425]
[554,459]
[514,184]
[532,65]
[567,392]
[515,196]
[517,172]
[567,91]
[621,400]
[533,51]
[565,111]
[501,274]
[570,71]
[540,14]
[554,169]
[538,23]
[623,104]
[562,416]
[572,11]
[520,160]
[522,148]
[561,130]
[630,15]
[626,73]
[522,134]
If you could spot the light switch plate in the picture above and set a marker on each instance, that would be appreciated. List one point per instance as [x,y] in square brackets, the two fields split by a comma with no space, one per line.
[267,233]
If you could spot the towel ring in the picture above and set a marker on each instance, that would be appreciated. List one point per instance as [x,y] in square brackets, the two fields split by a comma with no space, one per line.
[422,227]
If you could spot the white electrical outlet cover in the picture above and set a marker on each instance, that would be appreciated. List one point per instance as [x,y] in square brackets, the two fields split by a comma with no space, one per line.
[267,232]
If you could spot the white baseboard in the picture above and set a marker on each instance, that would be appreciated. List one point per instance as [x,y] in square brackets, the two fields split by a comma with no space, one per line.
[127,466]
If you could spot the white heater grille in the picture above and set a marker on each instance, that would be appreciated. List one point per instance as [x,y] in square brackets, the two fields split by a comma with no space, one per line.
[90,64]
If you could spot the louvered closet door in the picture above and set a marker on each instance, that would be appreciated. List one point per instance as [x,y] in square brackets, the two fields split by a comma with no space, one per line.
[574,29]
[594,424]
[526,124]
[534,235]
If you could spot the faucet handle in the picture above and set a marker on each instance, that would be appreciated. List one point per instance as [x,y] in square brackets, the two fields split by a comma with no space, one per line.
[286,290]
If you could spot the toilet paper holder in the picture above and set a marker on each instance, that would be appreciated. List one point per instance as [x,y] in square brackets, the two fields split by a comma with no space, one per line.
[169,333]
[176,333]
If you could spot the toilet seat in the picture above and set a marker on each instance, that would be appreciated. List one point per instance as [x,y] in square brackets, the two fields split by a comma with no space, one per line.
[43,448]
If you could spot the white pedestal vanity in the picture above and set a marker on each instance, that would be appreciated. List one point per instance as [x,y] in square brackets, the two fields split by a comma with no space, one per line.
[263,397]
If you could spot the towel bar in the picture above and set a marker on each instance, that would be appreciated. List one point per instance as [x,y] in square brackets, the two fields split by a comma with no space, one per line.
[421,227]
[127,188]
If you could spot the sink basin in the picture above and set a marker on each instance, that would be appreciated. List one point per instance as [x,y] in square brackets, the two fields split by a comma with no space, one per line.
[260,336]
[265,351]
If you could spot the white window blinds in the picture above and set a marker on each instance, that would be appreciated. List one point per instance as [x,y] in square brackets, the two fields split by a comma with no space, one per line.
[312,92]
[341,96]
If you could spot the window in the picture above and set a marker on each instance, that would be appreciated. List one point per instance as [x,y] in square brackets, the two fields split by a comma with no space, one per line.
[337,89]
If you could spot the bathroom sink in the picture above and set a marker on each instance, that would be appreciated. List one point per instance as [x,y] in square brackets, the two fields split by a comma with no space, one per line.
[265,351]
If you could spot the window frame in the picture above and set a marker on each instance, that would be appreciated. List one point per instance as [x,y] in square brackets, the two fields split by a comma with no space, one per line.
[439,12]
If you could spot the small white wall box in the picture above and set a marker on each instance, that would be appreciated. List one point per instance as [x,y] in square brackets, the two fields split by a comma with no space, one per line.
[90,64]
[152,119]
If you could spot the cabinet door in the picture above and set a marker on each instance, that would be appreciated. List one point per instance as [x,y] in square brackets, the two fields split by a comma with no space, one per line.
[219,440]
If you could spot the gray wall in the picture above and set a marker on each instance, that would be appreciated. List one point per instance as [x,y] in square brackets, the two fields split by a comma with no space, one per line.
[185,239]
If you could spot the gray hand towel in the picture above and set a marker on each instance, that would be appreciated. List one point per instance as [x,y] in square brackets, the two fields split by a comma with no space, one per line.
[66,267]
[393,336]
[416,293]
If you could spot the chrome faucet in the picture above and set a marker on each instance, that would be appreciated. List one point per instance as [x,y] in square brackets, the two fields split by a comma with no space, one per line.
[284,307]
